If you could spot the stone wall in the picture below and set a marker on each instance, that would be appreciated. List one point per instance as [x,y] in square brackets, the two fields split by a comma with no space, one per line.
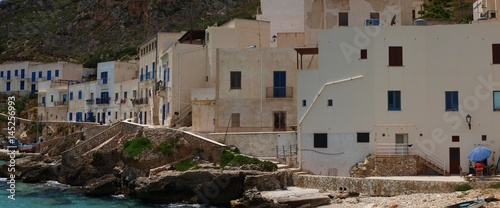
[404,165]
[94,130]
[257,144]
[381,187]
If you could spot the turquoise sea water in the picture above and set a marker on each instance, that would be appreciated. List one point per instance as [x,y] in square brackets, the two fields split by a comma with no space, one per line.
[53,194]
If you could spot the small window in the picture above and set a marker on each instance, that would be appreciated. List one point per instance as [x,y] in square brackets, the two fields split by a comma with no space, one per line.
[235,120]
[304,103]
[394,100]
[116,114]
[343,19]
[16,73]
[451,100]
[40,73]
[330,102]
[116,96]
[79,95]
[57,73]
[455,138]
[320,140]
[496,53]
[496,100]
[125,95]
[395,56]
[235,80]
[134,93]
[364,54]
[484,138]
[52,98]
[363,137]
[374,15]
[413,14]
[70,95]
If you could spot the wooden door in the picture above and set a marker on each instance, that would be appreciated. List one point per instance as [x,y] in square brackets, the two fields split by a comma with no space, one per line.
[454,160]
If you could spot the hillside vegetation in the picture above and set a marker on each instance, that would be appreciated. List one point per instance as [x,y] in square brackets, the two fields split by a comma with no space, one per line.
[76,30]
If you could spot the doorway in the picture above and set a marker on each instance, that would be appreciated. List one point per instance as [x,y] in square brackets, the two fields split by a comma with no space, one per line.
[454,160]
[402,144]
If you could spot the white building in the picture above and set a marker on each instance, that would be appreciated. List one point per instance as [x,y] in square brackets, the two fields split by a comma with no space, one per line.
[485,9]
[400,89]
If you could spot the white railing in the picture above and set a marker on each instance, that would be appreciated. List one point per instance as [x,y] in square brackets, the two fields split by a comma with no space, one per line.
[410,149]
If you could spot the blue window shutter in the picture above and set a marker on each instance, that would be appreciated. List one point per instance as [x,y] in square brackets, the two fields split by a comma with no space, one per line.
[40,74]
[49,75]
[71,96]
[21,85]
[16,73]
[70,116]
[79,95]
[153,69]
[57,73]
[22,73]
[33,76]
[1,73]
[8,86]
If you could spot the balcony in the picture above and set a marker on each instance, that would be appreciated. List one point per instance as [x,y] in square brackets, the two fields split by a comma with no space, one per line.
[41,79]
[60,103]
[104,81]
[90,101]
[145,77]
[59,85]
[41,104]
[279,92]
[102,101]
[140,101]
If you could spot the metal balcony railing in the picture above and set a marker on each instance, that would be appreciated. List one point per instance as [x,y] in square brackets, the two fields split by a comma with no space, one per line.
[140,101]
[41,104]
[90,101]
[279,92]
[102,100]
[104,81]
[59,103]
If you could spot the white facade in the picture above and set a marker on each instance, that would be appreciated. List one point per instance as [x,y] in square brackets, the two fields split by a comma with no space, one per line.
[446,73]
[485,9]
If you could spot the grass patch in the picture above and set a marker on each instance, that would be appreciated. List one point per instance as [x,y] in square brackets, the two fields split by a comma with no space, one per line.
[167,147]
[97,156]
[463,187]
[185,165]
[229,158]
[136,146]
[495,186]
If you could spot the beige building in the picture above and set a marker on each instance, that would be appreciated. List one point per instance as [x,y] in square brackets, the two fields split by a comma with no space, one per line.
[149,73]
[486,10]
[432,91]
[254,92]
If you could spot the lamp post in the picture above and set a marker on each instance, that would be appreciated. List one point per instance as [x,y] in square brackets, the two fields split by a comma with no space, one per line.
[468,119]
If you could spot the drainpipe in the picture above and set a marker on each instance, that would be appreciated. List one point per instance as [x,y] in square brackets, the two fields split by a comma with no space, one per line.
[299,125]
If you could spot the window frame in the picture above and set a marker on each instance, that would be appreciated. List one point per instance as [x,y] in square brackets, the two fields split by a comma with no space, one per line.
[452,98]
[497,106]
[320,140]
[343,19]
[395,96]
[235,80]
[495,48]
[363,54]
[363,137]
[395,56]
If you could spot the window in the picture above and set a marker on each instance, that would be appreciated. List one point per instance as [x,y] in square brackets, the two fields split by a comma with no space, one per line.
[395,56]
[52,98]
[79,95]
[116,114]
[8,75]
[21,85]
[40,74]
[320,140]
[33,76]
[280,121]
[49,75]
[304,103]
[455,138]
[153,69]
[364,54]
[235,120]
[104,77]
[16,73]
[374,15]
[70,116]
[496,100]
[394,100]
[1,73]
[7,87]
[235,80]
[330,102]
[496,53]
[57,73]
[484,138]
[134,93]
[125,95]
[116,96]
[413,15]
[168,74]
[142,74]
[363,137]
[22,73]
[343,19]
[451,100]
[70,95]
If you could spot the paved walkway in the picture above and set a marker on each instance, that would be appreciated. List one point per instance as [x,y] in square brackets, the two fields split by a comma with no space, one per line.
[420,178]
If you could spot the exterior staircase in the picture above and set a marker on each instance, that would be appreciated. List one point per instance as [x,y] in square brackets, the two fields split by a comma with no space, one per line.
[156,109]
[434,166]
[184,118]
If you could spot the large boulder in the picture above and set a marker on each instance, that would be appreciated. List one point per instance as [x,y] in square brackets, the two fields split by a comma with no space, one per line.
[103,186]
[197,186]
[269,181]
[33,169]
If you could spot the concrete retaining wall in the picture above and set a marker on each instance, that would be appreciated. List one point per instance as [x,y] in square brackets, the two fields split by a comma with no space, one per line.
[381,187]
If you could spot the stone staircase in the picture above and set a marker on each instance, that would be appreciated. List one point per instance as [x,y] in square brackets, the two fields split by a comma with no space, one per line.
[434,166]
[281,166]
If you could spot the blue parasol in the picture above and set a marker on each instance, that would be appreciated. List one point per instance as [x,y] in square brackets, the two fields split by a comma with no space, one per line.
[479,154]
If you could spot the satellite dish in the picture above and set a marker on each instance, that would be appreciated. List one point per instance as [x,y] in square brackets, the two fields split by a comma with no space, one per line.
[393,21]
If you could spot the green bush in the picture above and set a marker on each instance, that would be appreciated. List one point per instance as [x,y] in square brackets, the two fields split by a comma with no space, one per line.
[185,165]
[225,158]
[136,146]
[167,147]
[463,187]
[495,186]
[97,156]
[230,158]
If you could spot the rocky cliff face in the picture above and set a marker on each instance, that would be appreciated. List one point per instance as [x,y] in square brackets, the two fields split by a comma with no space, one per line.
[76,29]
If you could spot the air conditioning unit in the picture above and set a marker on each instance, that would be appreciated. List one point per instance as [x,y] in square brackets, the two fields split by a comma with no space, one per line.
[372,22]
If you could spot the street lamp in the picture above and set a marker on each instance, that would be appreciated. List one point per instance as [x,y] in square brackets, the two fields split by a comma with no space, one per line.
[468,119]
